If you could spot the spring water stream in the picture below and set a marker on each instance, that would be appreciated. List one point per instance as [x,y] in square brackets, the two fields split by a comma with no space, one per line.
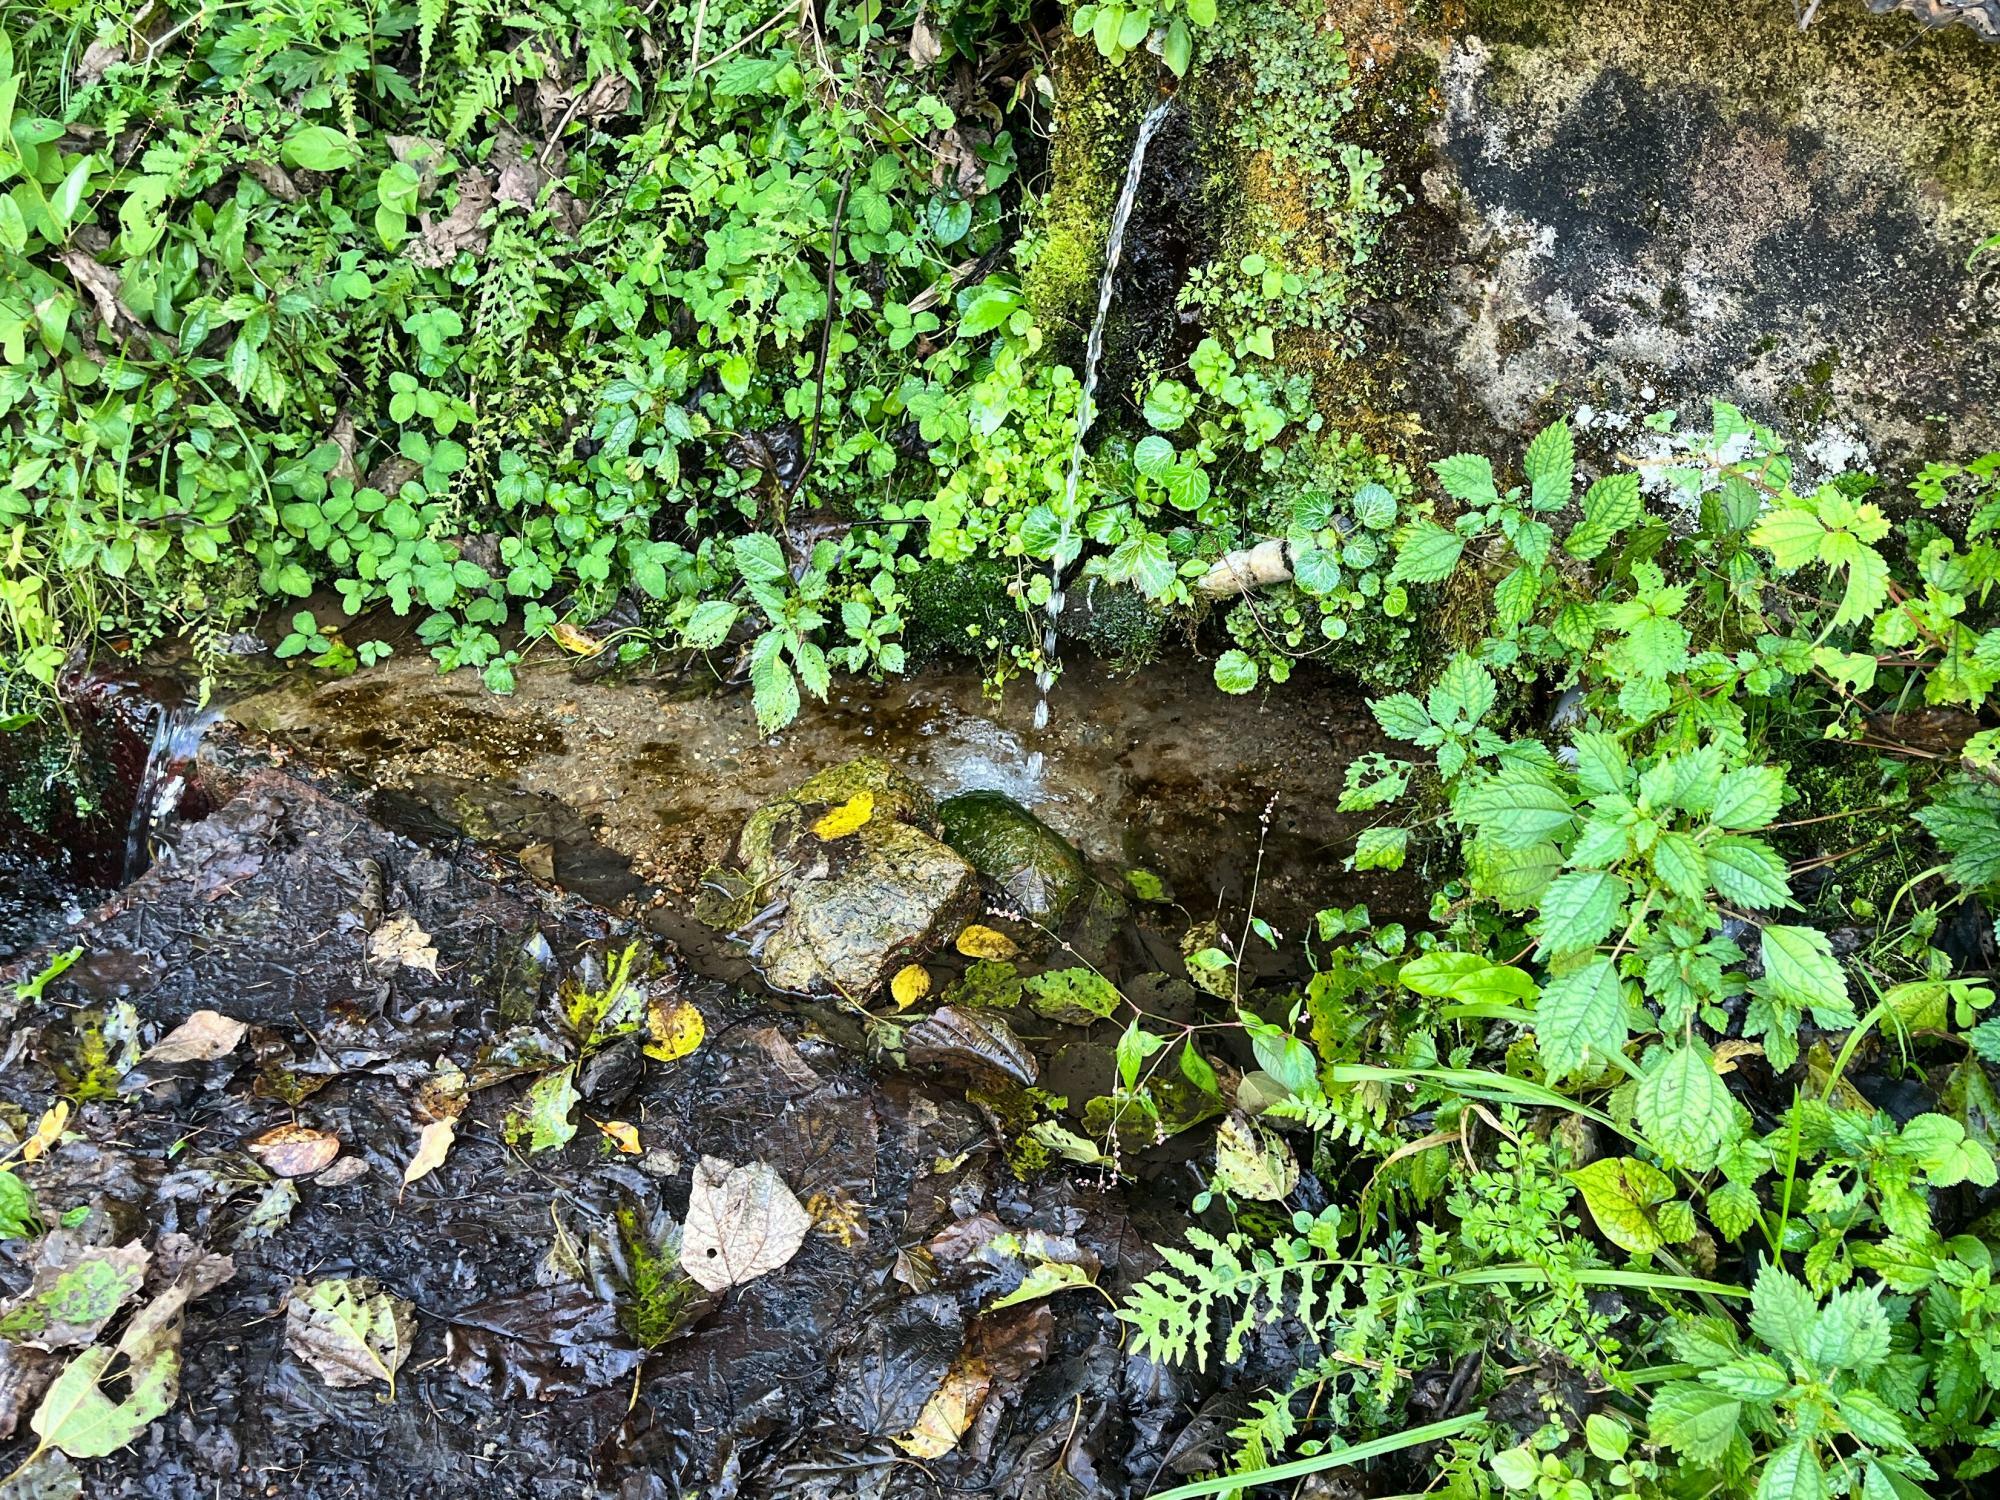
[1086,412]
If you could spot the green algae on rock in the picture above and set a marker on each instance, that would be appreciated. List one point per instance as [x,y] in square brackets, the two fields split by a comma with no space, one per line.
[1035,868]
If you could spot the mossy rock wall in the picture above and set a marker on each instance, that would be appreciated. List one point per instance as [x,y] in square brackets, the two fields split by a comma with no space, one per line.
[1660,203]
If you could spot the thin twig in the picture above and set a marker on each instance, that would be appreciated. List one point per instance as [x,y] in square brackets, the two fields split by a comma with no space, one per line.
[825,334]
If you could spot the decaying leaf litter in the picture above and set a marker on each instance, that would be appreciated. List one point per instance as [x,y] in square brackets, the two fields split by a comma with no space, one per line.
[331,1199]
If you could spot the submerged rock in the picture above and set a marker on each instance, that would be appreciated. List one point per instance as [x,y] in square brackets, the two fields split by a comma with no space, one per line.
[1036,868]
[851,869]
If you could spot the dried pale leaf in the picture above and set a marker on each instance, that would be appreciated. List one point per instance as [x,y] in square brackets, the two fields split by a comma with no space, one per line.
[742,1222]
[1044,1280]
[202,1037]
[621,1133]
[924,50]
[351,1331]
[441,241]
[347,1169]
[676,1030]
[911,984]
[538,860]
[400,941]
[104,286]
[295,1150]
[433,1145]
[986,942]
[957,1036]
[850,816]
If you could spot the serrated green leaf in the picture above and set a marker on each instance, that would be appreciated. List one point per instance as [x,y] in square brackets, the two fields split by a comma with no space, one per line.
[1550,464]
[1747,872]
[1468,478]
[1684,1108]
[1750,797]
[1426,553]
[1782,1311]
[1578,911]
[1694,1420]
[1792,1473]
[1580,1017]
[1800,970]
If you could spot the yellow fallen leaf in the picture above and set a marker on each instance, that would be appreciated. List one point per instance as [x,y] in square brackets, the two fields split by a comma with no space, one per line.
[621,1133]
[846,818]
[433,1142]
[949,1411]
[576,642]
[986,942]
[1727,1052]
[47,1131]
[676,1030]
[911,984]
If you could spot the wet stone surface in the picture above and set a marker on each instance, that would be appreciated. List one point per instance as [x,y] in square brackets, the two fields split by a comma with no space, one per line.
[360,960]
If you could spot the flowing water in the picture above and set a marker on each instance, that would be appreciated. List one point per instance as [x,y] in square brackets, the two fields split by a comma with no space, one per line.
[163,781]
[1086,410]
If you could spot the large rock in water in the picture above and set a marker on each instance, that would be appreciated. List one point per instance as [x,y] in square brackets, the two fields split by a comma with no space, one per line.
[859,899]
[1036,868]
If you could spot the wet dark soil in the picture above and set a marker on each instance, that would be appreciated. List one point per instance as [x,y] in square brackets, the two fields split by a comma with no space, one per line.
[344,806]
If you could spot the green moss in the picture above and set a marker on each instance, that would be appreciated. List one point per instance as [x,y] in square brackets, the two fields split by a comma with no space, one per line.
[1115,623]
[962,609]
[1097,111]
[657,1292]
[1852,811]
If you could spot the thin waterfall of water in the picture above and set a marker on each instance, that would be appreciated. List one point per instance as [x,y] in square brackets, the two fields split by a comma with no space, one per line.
[1086,410]
[177,735]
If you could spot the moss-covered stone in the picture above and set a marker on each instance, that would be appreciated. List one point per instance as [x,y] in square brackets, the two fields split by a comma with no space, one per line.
[1035,868]
[853,901]
[962,609]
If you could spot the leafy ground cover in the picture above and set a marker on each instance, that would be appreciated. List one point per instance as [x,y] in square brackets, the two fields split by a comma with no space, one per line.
[1660,1163]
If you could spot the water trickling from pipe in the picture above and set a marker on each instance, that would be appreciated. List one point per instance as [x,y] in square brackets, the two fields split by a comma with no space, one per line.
[177,735]
[1086,412]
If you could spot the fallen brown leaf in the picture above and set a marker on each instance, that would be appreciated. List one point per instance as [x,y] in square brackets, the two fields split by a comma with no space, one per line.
[295,1150]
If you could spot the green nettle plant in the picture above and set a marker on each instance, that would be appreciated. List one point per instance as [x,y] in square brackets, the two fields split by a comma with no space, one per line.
[1632,1007]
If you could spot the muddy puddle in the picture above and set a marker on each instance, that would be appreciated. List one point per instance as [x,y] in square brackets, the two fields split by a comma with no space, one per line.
[408,900]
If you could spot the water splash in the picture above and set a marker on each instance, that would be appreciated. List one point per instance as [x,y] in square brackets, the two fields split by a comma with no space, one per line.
[1086,412]
[177,736]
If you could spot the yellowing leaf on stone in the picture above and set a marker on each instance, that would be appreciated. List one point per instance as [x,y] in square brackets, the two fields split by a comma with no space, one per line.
[949,1411]
[911,984]
[741,1223]
[1623,1195]
[676,1030]
[433,1144]
[986,942]
[621,1133]
[851,815]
